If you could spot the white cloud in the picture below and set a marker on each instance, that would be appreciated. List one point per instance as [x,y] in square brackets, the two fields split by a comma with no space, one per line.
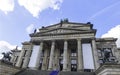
[5,47]
[114,32]
[108,8]
[6,5]
[30,28]
[37,6]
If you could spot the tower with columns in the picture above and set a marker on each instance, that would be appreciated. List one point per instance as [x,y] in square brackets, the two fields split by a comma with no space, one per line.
[67,46]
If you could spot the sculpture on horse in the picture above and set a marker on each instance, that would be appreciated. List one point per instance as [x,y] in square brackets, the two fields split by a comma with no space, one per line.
[6,56]
[106,56]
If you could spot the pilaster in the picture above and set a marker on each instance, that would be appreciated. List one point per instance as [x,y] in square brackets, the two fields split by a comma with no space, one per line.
[20,58]
[95,54]
[26,59]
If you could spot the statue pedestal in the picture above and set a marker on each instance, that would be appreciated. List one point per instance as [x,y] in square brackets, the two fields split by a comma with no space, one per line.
[108,69]
[6,62]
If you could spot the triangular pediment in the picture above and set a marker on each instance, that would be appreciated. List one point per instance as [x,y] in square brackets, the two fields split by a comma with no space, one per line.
[65,29]
[68,25]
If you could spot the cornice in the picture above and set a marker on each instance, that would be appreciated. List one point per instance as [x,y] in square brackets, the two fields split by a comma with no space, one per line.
[63,28]
[67,33]
[81,25]
[26,43]
[106,66]
[105,39]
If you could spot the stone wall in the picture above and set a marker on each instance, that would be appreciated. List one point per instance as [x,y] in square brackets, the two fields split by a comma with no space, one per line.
[109,69]
[6,69]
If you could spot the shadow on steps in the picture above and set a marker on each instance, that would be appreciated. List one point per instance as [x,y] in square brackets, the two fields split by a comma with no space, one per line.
[40,72]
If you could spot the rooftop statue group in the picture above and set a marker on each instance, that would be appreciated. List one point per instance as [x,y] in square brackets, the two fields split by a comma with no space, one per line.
[106,56]
[6,56]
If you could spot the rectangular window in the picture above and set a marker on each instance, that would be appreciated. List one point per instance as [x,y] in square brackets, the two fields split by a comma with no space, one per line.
[87,56]
[61,52]
[42,54]
[25,53]
[73,52]
[73,61]
[34,55]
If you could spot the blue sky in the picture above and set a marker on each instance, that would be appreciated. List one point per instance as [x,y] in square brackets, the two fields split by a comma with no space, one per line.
[18,18]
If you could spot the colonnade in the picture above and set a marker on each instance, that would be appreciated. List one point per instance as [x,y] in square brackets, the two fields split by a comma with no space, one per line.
[50,65]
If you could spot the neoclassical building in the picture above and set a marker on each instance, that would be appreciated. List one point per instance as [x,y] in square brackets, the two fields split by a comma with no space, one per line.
[68,46]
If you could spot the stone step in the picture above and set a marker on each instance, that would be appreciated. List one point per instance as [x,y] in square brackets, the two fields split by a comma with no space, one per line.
[39,72]
[76,73]
[33,72]
[6,69]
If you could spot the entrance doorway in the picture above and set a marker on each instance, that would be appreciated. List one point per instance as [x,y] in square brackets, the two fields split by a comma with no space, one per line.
[61,64]
[61,67]
[73,67]
[40,65]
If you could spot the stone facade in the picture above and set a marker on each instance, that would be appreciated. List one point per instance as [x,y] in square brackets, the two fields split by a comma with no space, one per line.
[6,69]
[109,69]
[15,56]
[67,46]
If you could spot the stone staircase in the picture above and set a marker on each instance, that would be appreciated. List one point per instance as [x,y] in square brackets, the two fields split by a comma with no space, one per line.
[33,72]
[76,73]
[6,69]
[39,72]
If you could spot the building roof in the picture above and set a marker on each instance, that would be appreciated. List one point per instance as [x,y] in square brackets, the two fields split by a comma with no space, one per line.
[65,28]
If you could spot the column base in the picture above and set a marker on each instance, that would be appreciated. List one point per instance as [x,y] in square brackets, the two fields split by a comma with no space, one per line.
[33,68]
[80,70]
[64,70]
[50,69]
[44,67]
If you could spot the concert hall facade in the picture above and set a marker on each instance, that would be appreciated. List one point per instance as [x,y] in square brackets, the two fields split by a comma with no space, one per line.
[70,46]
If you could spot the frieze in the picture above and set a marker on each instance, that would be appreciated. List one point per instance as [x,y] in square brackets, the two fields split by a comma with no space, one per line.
[59,37]
[57,31]
[62,31]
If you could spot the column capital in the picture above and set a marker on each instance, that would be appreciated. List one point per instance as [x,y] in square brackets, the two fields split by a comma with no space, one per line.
[65,40]
[41,41]
[93,38]
[53,41]
[79,39]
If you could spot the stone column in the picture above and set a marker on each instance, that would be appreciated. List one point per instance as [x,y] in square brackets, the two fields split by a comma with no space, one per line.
[56,65]
[26,59]
[69,60]
[19,62]
[39,56]
[50,67]
[65,64]
[80,55]
[95,54]
[44,65]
